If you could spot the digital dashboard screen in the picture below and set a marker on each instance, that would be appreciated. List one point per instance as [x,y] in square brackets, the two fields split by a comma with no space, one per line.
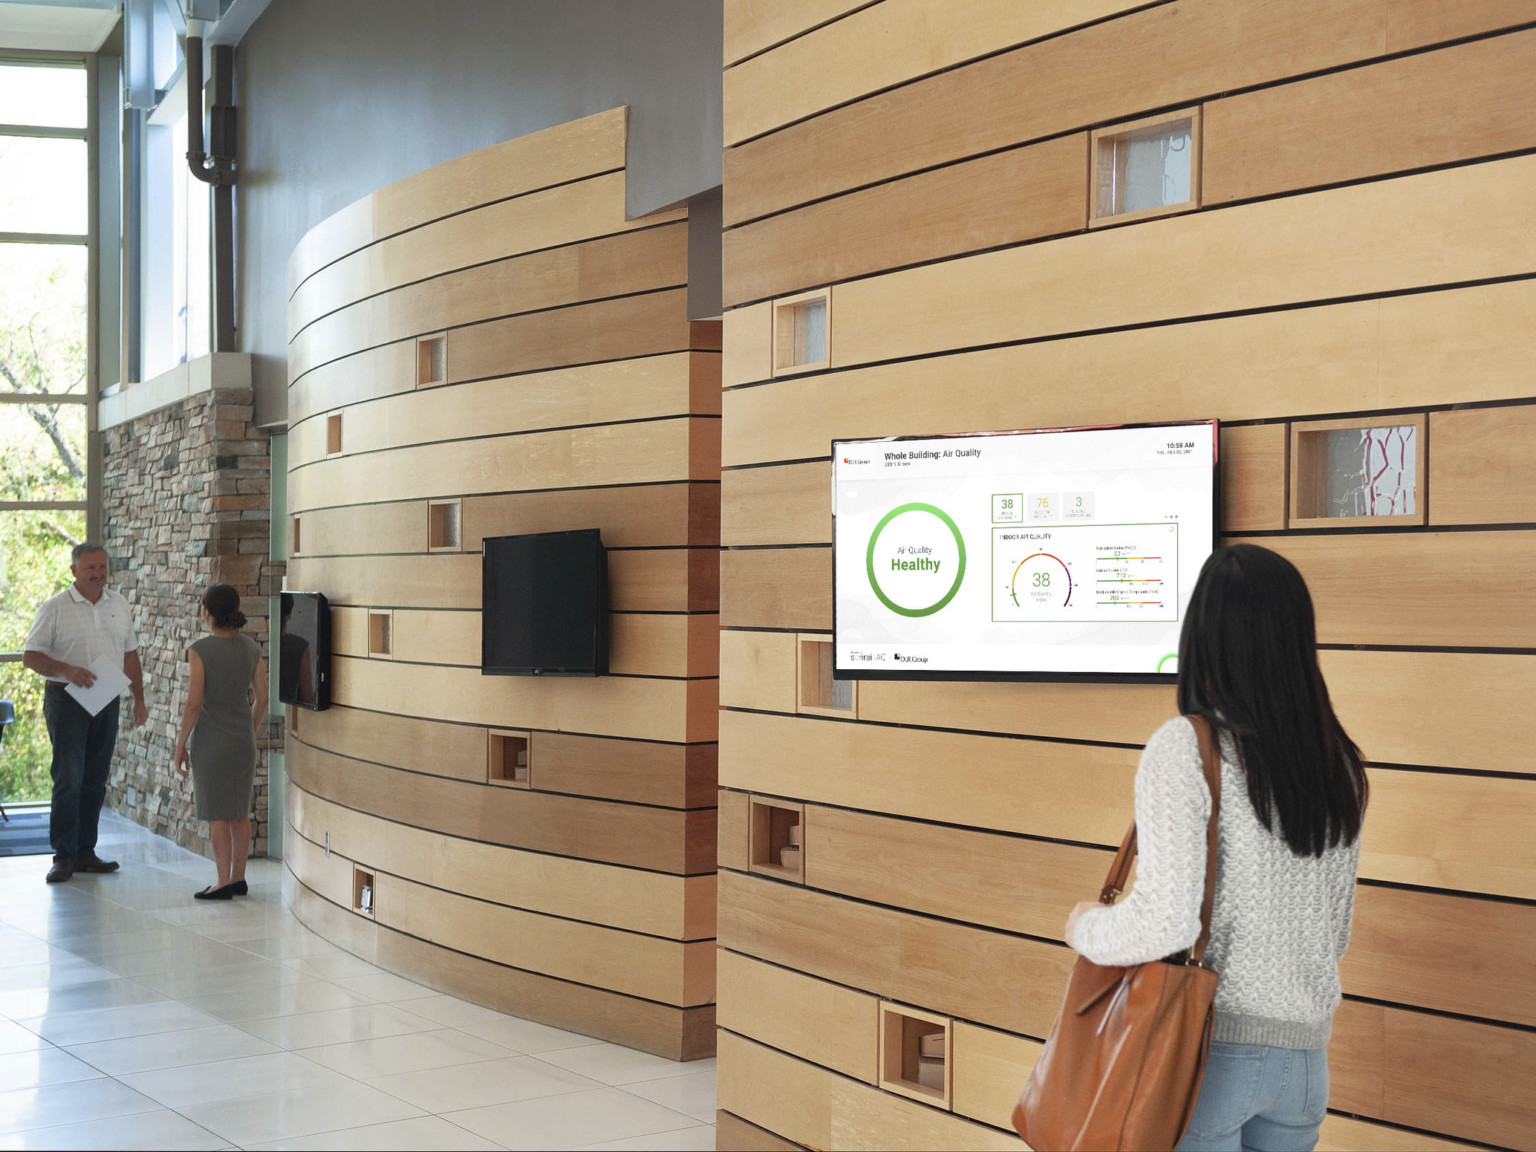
[1052,554]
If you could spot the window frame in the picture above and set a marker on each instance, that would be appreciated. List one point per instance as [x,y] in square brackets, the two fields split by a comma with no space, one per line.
[1099,136]
[90,240]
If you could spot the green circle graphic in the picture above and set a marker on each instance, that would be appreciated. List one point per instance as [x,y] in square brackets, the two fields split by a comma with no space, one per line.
[1165,659]
[869,559]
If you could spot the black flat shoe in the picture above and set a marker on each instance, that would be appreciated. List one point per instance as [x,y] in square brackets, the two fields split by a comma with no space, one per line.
[240,888]
[212,893]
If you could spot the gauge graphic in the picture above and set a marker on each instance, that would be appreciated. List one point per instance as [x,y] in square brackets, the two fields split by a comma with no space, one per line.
[1041,578]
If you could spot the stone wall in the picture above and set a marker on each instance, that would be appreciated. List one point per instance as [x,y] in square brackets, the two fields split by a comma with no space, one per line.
[185,504]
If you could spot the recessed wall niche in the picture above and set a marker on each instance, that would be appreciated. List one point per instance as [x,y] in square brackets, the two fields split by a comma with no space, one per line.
[1364,471]
[802,332]
[1145,168]
[444,520]
[775,838]
[818,693]
[915,1054]
[381,640]
[333,434]
[506,760]
[431,360]
[363,888]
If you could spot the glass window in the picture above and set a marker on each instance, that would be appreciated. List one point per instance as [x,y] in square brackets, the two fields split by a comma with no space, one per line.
[1147,167]
[46,96]
[43,186]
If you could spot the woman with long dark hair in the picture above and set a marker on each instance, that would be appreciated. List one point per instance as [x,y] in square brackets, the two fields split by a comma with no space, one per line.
[1293,799]
[226,706]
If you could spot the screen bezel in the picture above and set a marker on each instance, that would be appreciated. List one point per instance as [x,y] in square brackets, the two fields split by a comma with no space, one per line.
[841,672]
[602,630]
[321,655]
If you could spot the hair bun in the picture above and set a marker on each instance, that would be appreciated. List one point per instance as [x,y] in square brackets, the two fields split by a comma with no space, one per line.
[236,620]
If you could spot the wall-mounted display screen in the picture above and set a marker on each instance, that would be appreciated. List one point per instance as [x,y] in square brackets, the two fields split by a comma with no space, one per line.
[1052,554]
[544,605]
[304,651]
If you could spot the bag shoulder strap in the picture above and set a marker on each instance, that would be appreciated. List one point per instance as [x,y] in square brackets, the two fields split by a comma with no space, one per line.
[1120,869]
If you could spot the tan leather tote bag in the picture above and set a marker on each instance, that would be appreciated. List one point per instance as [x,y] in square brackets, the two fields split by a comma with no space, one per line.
[1123,1063]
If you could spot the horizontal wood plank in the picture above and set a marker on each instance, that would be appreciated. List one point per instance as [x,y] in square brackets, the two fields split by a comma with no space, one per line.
[679,711]
[757,670]
[1454,104]
[590,394]
[995,881]
[1070,792]
[655,515]
[1253,477]
[668,775]
[1006,198]
[557,155]
[650,902]
[753,25]
[635,965]
[678,448]
[1347,1134]
[494,234]
[791,504]
[640,644]
[1436,1073]
[1417,231]
[990,1071]
[827,1024]
[1161,57]
[1453,347]
[881,46]
[645,580]
[551,279]
[986,977]
[733,1134]
[1480,471]
[675,1033]
[748,339]
[820,1109]
[776,588]
[661,839]
[1417,589]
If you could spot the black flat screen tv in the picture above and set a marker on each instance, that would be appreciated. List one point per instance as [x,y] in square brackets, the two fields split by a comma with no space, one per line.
[544,605]
[1054,554]
[304,651]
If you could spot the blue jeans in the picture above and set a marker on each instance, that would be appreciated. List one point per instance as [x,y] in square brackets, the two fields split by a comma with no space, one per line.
[82,759]
[1265,1099]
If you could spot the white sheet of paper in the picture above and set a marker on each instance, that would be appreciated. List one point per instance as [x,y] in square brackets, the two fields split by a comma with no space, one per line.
[110,682]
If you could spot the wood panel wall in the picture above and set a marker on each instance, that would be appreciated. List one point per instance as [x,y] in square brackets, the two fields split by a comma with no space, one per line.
[1363,249]
[574,393]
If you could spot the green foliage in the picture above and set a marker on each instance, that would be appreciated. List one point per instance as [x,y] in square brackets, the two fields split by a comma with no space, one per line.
[42,458]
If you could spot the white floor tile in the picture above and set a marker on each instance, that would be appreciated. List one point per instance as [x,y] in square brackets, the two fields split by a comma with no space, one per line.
[29,1002]
[195,1084]
[570,1121]
[66,1028]
[305,1112]
[60,972]
[525,1035]
[479,1085]
[333,967]
[385,986]
[210,980]
[338,1026]
[615,1064]
[392,1055]
[692,1095]
[420,1132]
[700,1139]
[171,1049]
[15,1038]
[452,1012]
[286,1000]
[82,1100]
[41,1066]
[161,1131]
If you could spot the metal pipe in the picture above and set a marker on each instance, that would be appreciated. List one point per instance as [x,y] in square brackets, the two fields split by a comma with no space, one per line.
[217,169]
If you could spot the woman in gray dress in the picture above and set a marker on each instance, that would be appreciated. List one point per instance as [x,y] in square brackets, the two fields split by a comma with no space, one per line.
[226,704]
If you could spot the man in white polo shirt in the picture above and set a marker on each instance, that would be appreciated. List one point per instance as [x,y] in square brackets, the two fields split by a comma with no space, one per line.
[73,629]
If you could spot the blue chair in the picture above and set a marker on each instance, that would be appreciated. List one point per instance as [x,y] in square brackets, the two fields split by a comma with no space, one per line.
[7,718]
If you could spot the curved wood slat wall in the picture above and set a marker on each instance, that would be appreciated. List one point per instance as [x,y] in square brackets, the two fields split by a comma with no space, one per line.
[1366,166]
[575,394]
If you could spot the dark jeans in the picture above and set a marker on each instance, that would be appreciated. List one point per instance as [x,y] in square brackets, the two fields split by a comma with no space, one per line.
[82,758]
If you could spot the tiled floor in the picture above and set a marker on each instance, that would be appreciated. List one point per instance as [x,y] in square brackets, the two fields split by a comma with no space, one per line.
[132,1016]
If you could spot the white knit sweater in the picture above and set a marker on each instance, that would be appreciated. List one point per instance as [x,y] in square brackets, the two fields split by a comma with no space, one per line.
[1281,921]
